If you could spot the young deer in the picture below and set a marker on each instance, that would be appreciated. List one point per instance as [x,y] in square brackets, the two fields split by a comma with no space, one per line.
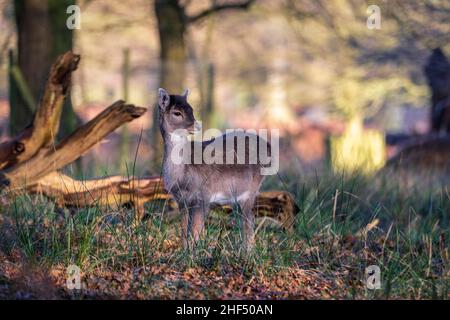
[197,185]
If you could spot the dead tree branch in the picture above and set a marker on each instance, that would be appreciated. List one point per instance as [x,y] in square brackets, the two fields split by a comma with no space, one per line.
[218,8]
[115,191]
[46,120]
[53,158]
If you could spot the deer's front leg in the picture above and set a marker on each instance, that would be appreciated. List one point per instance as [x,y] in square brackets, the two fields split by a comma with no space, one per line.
[248,224]
[197,223]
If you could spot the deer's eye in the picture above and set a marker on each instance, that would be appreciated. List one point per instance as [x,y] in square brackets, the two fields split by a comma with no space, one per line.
[177,113]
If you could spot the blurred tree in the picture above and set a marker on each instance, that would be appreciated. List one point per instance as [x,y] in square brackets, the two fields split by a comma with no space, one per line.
[33,23]
[42,37]
[173,22]
[362,83]
[424,22]
[437,71]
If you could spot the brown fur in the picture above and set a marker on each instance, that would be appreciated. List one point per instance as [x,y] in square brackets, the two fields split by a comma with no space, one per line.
[197,186]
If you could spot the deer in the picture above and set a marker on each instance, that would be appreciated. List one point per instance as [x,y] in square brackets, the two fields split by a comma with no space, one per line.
[197,186]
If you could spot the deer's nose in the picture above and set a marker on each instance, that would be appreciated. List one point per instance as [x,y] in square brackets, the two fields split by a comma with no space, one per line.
[197,126]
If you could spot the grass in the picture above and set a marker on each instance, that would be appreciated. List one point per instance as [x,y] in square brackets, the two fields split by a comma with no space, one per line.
[345,224]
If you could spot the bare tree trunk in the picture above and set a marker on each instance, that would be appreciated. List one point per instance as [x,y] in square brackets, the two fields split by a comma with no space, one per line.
[171,28]
[42,37]
[34,54]
[208,107]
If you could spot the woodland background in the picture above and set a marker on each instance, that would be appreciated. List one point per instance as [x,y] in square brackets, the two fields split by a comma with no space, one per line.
[308,67]
[347,99]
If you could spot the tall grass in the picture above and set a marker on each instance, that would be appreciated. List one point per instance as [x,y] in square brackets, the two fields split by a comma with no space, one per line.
[345,224]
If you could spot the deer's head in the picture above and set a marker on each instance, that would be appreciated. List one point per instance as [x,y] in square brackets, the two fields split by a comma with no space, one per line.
[175,113]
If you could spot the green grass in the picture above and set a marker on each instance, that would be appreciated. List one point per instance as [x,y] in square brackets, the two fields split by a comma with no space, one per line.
[330,239]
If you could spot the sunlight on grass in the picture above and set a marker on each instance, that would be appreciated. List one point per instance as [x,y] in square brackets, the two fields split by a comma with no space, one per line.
[358,149]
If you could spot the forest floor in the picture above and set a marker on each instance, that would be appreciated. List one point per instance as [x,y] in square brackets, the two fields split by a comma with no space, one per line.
[345,224]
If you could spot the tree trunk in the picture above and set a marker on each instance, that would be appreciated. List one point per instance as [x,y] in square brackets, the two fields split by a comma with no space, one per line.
[34,55]
[13,93]
[42,37]
[208,108]
[171,28]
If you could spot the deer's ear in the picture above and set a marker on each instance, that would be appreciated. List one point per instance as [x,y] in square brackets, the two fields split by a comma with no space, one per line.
[163,98]
[186,93]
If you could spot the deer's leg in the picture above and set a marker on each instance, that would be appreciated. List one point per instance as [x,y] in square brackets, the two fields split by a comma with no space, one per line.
[248,223]
[197,223]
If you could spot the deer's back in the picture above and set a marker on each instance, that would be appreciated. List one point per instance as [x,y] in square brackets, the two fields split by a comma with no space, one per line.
[229,169]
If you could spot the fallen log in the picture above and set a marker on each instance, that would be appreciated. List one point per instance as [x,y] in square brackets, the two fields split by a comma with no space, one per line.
[430,152]
[278,205]
[114,191]
[117,191]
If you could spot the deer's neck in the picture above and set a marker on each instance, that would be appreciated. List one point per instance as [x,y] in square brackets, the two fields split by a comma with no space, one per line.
[172,172]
